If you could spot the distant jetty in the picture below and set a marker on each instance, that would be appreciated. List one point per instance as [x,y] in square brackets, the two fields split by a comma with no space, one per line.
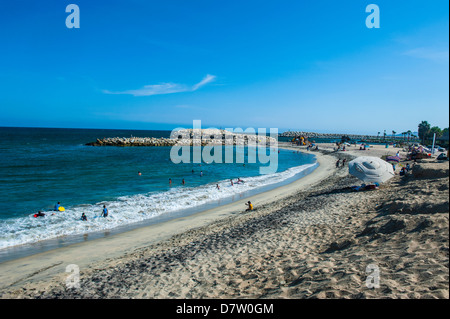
[190,137]
[355,137]
[326,135]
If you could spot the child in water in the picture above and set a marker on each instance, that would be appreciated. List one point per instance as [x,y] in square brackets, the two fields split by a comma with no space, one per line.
[105,211]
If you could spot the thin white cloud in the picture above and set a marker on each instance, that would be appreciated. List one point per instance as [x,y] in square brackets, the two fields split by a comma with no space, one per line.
[207,79]
[165,88]
[428,54]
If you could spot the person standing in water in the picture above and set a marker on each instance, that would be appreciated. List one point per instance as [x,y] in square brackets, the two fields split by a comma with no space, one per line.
[105,211]
[170,181]
[183,182]
[83,217]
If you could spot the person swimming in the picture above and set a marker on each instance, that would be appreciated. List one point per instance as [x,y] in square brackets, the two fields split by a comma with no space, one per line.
[39,214]
[57,206]
[83,217]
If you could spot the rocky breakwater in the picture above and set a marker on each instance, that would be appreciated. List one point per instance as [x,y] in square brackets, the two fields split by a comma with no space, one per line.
[312,135]
[133,141]
[191,137]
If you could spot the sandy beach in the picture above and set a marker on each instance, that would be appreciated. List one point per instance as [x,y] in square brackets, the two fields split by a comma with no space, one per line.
[313,238]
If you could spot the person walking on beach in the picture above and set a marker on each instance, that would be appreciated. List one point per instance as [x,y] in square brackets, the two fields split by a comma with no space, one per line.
[105,211]
[343,162]
[337,163]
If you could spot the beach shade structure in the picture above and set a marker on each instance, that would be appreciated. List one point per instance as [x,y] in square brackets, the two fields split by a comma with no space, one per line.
[371,169]
[393,159]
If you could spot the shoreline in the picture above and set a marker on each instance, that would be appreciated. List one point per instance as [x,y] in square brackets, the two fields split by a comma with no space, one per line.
[118,244]
[27,249]
[311,239]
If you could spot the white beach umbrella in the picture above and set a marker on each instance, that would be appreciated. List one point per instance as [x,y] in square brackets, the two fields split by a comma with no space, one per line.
[371,169]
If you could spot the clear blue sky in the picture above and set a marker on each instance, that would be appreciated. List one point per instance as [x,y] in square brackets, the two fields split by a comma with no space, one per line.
[299,65]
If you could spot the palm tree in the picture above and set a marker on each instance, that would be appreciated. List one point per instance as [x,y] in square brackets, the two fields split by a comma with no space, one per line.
[404,135]
[437,130]
[424,130]
[409,134]
[393,134]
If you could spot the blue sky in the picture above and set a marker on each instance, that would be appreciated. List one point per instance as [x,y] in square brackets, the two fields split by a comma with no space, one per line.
[299,65]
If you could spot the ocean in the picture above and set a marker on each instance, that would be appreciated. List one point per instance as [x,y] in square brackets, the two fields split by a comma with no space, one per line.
[42,166]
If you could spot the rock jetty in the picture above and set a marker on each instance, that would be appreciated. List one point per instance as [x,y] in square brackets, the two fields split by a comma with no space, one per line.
[355,137]
[190,137]
[312,135]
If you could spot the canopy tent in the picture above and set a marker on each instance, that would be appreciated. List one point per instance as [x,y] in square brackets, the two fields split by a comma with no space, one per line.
[371,169]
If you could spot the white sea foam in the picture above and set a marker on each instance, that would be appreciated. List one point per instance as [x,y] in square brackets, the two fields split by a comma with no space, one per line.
[127,210]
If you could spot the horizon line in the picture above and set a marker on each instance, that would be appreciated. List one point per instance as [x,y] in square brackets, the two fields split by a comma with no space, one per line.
[169,130]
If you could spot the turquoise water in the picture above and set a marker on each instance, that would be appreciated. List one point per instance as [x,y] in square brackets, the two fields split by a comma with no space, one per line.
[40,167]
